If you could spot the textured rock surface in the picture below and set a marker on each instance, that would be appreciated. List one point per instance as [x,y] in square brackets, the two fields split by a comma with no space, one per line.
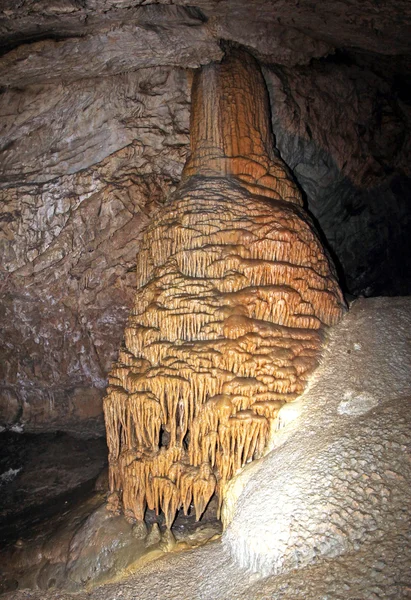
[349,551]
[60,129]
[69,245]
[174,36]
[338,492]
[233,293]
[114,35]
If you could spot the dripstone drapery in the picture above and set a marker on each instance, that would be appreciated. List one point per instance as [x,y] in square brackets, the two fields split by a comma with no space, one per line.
[233,292]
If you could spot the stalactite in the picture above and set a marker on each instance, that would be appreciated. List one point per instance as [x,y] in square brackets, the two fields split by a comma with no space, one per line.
[233,292]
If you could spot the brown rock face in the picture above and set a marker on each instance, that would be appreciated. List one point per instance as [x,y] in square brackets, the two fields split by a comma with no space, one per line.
[233,290]
[87,166]
[343,132]
[69,39]
[230,135]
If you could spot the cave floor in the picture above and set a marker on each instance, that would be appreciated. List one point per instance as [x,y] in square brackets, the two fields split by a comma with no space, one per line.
[53,501]
[210,572]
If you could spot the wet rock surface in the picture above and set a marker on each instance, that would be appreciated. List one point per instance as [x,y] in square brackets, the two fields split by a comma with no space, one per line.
[69,245]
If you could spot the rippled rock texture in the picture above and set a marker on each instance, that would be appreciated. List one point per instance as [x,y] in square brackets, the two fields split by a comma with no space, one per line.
[70,231]
[113,36]
[233,293]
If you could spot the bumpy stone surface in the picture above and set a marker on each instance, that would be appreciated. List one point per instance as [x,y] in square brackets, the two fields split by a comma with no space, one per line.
[353,542]
[233,291]
[348,482]
[174,36]
[59,129]
[69,245]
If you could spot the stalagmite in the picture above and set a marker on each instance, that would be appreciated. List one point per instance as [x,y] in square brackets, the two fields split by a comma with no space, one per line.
[233,292]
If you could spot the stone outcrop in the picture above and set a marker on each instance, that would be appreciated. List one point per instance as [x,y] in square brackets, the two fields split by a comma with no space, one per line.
[55,130]
[233,292]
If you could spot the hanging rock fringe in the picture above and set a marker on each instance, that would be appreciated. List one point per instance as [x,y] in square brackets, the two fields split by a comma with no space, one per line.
[233,292]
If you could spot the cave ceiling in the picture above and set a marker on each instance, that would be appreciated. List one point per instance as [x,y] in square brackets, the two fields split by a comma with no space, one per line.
[37,37]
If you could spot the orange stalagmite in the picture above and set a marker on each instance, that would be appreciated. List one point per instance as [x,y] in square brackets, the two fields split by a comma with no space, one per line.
[233,292]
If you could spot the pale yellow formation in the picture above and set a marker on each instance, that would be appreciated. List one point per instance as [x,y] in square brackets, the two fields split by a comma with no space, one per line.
[233,291]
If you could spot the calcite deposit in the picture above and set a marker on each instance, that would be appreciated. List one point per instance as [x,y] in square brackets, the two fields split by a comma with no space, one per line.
[233,293]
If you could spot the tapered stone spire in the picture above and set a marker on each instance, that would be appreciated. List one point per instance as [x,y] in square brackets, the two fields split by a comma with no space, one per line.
[230,129]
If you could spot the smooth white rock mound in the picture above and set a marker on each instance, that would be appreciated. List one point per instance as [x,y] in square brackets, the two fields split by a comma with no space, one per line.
[339,476]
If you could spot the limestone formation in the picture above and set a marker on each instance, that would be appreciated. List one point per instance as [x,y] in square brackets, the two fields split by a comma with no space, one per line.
[233,292]
[69,229]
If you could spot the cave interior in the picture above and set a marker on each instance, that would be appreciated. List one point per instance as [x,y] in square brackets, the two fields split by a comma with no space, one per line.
[115,130]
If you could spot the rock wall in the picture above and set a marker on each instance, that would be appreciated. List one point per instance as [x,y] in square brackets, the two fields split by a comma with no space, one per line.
[90,164]
[342,126]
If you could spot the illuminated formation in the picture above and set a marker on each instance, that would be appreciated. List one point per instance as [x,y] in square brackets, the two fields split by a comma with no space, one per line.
[233,290]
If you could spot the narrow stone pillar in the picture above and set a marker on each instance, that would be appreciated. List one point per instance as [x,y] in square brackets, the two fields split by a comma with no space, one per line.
[230,129]
[233,292]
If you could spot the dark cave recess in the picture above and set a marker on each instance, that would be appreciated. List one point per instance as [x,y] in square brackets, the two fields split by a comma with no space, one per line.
[352,161]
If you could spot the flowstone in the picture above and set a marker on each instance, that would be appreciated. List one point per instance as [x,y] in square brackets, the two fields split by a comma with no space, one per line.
[233,293]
